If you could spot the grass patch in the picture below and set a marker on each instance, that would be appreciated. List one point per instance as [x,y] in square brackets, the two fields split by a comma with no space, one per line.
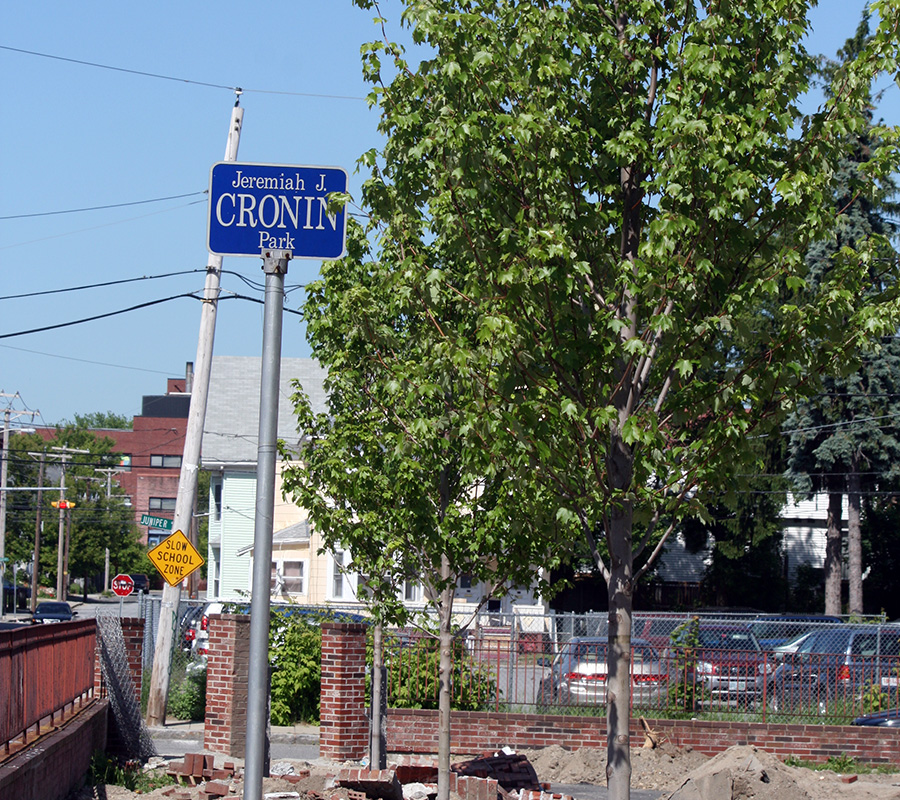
[129,774]
[842,764]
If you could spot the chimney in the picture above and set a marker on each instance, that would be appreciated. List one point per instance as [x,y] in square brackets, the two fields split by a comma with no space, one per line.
[188,376]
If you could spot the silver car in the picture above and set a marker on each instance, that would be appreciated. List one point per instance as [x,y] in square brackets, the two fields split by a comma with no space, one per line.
[579,674]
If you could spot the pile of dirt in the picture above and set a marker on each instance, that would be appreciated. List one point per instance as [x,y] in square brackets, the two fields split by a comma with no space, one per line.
[740,773]
[662,768]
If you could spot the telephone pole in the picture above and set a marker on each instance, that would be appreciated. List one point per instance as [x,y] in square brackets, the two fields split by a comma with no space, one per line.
[190,462]
[62,588]
[38,526]
[8,414]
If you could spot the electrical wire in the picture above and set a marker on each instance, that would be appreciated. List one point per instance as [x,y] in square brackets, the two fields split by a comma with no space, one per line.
[99,316]
[100,285]
[160,76]
[101,208]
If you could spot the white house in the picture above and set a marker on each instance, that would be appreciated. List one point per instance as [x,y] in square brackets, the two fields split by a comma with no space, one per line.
[300,572]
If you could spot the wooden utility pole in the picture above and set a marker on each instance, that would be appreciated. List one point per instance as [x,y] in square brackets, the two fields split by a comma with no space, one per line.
[190,462]
[36,563]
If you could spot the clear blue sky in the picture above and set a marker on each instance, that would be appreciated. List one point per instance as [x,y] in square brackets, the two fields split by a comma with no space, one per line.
[76,136]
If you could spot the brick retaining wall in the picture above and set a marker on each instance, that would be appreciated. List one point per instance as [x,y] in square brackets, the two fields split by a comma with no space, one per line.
[227,673]
[343,723]
[473,732]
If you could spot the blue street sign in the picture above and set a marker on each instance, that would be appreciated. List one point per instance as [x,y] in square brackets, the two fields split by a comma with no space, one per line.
[255,208]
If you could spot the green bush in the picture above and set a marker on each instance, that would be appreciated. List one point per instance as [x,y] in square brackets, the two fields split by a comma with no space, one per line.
[188,699]
[686,694]
[295,653]
[413,678]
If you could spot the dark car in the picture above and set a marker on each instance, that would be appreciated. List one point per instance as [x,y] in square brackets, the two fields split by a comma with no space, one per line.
[837,665]
[726,662]
[141,583]
[880,719]
[53,611]
[774,630]
[578,675]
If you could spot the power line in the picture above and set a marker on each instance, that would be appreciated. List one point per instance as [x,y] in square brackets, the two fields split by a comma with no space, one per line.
[86,360]
[160,76]
[101,285]
[99,316]
[101,208]
[98,227]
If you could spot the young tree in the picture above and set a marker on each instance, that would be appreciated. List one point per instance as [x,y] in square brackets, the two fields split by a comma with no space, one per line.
[393,472]
[611,190]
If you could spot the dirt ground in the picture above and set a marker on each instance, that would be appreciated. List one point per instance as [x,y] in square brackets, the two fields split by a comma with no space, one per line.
[740,773]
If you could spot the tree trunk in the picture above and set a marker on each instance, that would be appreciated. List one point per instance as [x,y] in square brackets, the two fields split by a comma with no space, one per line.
[444,674]
[854,539]
[376,754]
[833,554]
[620,592]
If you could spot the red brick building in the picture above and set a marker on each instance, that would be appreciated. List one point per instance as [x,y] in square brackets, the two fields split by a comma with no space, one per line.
[151,452]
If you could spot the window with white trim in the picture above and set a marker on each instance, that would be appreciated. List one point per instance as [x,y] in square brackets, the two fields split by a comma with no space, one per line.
[162,503]
[287,577]
[165,462]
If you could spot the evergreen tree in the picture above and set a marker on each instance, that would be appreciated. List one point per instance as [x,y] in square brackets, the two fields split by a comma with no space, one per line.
[844,440]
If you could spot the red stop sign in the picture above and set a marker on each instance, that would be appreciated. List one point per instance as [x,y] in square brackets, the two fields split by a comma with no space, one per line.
[122,585]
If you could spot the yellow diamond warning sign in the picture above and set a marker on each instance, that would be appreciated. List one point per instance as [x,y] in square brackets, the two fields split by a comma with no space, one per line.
[175,558]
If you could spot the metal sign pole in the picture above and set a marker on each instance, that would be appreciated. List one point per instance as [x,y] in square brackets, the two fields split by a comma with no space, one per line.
[275,264]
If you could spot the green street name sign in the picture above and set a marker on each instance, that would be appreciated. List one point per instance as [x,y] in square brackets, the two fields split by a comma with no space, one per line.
[156,522]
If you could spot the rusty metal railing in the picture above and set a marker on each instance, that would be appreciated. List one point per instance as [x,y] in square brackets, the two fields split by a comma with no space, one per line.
[46,674]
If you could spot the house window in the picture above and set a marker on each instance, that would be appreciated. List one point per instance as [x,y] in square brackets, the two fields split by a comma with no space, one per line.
[337,583]
[465,581]
[217,502]
[162,503]
[166,462]
[286,577]
[412,591]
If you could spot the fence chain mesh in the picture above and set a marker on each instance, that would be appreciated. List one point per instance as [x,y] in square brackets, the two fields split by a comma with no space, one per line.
[121,691]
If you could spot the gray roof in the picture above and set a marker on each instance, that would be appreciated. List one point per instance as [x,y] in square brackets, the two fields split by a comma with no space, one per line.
[292,534]
[231,432]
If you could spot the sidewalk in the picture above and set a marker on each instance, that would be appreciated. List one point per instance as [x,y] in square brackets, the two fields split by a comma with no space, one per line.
[298,733]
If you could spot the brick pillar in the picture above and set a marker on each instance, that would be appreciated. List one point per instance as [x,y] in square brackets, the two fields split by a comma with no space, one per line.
[133,636]
[227,673]
[343,724]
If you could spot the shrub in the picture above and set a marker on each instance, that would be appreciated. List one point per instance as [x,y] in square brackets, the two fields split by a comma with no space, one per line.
[413,680]
[188,700]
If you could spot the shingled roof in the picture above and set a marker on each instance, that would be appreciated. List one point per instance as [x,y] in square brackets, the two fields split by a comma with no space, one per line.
[232,415]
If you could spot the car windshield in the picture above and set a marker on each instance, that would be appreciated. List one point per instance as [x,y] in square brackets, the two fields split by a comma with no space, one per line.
[52,608]
[727,640]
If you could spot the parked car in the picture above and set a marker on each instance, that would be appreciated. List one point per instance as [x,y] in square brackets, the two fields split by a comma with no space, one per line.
[838,663]
[774,630]
[53,611]
[880,719]
[578,675]
[727,663]
[141,583]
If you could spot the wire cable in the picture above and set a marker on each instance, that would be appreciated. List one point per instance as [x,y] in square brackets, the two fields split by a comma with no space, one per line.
[101,208]
[99,316]
[160,76]
[101,285]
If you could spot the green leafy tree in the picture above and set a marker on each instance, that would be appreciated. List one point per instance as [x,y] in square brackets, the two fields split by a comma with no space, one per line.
[98,521]
[101,419]
[590,201]
[394,472]
[744,528]
[843,441]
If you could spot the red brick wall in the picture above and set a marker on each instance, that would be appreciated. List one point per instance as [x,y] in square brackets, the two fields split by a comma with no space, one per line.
[343,724]
[415,731]
[133,634]
[227,673]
